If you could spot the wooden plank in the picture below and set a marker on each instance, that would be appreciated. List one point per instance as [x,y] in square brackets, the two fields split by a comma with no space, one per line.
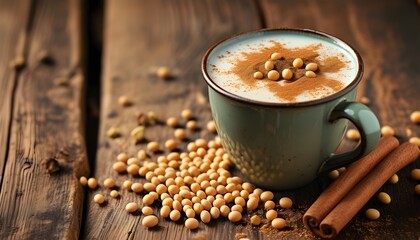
[13,19]
[385,35]
[46,112]
[140,36]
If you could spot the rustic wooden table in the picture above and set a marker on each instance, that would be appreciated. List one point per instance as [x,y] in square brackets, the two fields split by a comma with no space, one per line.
[54,109]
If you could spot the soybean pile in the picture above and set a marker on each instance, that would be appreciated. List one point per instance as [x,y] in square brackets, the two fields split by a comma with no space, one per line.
[191,185]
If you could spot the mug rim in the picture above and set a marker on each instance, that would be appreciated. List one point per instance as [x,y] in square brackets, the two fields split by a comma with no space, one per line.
[354,82]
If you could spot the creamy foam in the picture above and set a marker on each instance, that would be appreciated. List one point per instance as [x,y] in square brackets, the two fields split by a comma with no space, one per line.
[232,63]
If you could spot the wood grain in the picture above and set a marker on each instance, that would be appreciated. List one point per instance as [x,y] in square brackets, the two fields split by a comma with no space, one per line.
[140,36]
[13,20]
[386,35]
[45,108]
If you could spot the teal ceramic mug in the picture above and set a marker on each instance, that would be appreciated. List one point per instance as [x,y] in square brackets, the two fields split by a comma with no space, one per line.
[285,145]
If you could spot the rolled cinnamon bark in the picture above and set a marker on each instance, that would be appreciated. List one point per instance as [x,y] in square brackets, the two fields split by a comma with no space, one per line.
[340,187]
[351,204]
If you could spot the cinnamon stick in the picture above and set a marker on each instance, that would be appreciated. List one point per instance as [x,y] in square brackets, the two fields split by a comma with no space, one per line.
[340,187]
[405,154]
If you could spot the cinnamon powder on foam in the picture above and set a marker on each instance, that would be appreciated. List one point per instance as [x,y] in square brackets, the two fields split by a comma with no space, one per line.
[250,62]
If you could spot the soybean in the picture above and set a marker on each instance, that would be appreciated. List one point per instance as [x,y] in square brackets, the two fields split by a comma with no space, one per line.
[285,202]
[136,187]
[387,131]
[415,117]
[417,189]
[240,201]
[271,214]
[147,211]
[83,180]
[127,184]
[190,213]
[384,197]
[163,72]
[273,75]
[175,215]
[198,208]
[172,122]
[131,207]
[186,114]
[247,186]
[255,220]
[142,155]
[214,212]
[415,174]
[311,67]
[278,223]
[114,193]
[258,191]
[113,132]
[298,63]
[269,205]
[170,144]
[287,74]
[123,101]
[211,126]
[150,221]
[191,223]
[192,125]
[133,169]
[99,198]
[119,167]
[394,179]
[180,134]
[372,214]
[275,56]
[252,203]
[269,65]
[235,216]
[267,195]
[310,74]
[205,216]
[92,183]
[153,146]
[334,174]
[414,140]
[258,75]
[122,157]
[365,100]
[165,211]
[353,134]
[224,210]
[148,199]
[133,160]
[237,208]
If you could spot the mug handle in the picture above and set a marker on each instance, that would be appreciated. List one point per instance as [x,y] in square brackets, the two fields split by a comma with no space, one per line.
[367,124]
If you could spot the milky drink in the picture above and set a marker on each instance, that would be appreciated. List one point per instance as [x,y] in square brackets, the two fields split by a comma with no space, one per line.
[282,121]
